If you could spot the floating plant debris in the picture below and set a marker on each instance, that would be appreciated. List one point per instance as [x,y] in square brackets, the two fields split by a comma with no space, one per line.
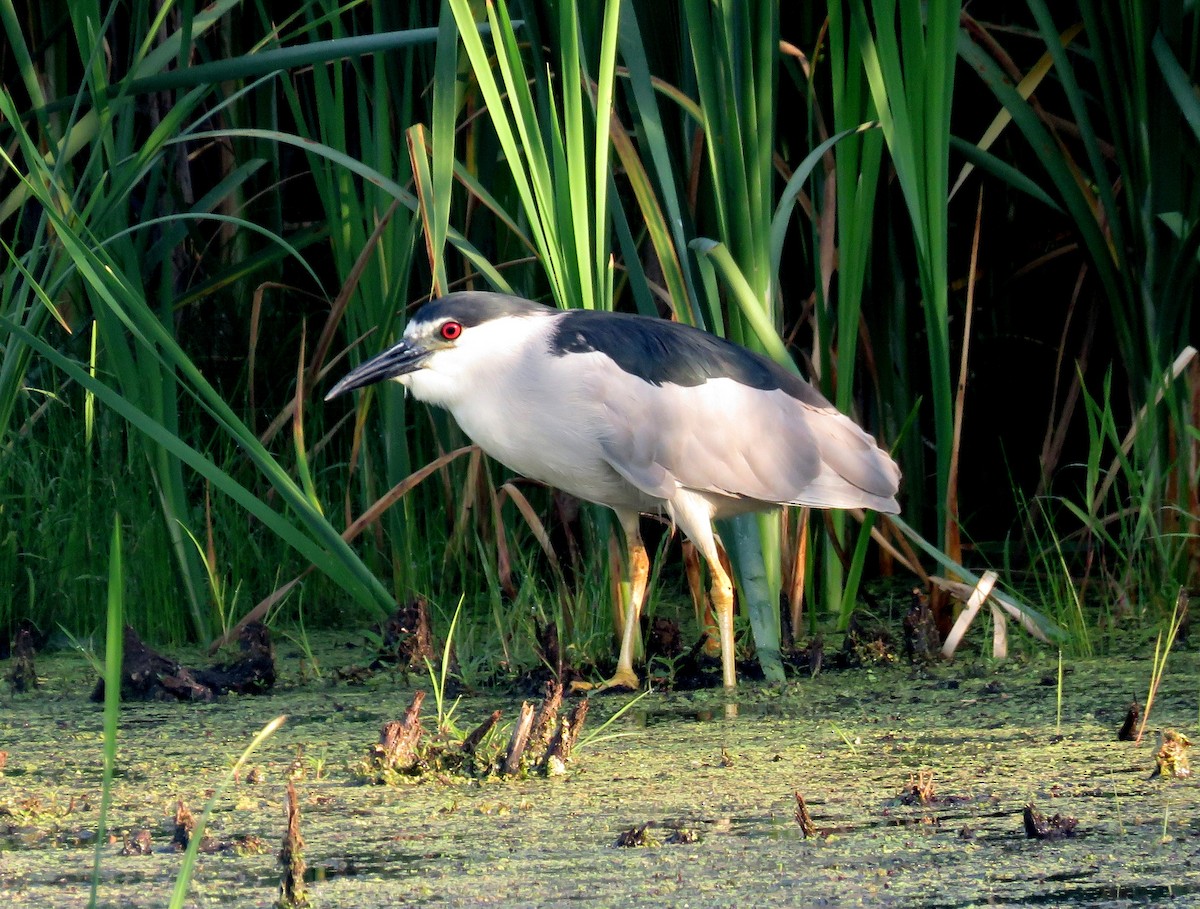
[1040,827]
[919,790]
[1171,759]
[137,843]
[642,836]
[23,676]
[541,742]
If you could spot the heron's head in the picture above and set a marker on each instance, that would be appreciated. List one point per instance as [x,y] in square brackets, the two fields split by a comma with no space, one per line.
[448,345]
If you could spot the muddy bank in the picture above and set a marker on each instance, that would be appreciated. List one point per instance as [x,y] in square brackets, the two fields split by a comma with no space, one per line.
[850,742]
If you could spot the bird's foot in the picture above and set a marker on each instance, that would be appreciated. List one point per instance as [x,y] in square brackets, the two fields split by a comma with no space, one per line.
[622,680]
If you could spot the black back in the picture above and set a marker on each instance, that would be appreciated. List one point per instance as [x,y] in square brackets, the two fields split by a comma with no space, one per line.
[659,352]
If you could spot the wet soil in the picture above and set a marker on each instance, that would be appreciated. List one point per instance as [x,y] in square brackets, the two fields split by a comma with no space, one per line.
[715,780]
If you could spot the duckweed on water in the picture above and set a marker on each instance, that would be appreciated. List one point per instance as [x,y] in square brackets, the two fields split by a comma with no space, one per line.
[848,741]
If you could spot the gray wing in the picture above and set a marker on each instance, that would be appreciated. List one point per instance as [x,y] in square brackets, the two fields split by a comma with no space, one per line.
[725,438]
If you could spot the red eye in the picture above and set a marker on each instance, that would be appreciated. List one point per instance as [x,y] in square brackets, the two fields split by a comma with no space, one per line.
[451,330]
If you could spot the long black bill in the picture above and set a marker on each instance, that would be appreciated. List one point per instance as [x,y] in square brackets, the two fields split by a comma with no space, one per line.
[396,361]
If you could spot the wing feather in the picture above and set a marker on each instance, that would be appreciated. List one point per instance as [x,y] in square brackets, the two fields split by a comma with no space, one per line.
[725,438]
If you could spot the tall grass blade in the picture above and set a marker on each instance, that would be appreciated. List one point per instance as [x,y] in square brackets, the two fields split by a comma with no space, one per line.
[734,51]
[910,71]
[563,196]
[113,656]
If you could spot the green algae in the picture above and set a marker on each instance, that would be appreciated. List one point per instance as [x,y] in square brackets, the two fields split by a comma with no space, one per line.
[724,769]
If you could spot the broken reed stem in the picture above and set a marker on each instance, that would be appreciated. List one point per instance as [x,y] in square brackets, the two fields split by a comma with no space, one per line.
[519,741]
[1176,369]
[292,892]
[920,789]
[803,818]
[953,538]
[559,750]
[399,739]
[544,724]
[541,741]
[799,568]
[1059,696]
[471,742]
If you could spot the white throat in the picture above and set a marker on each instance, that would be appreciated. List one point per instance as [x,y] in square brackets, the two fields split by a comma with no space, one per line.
[486,357]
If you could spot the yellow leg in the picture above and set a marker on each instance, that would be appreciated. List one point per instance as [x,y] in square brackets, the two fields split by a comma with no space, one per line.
[722,597]
[638,565]
[705,617]
[694,517]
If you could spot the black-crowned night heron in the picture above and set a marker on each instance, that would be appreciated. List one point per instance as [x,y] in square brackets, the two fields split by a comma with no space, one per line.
[640,414]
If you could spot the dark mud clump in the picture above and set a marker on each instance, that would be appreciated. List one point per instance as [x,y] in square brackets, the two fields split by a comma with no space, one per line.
[867,643]
[664,639]
[405,638]
[1040,827]
[922,640]
[809,659]
[22,675]
[147,675]
[137,843]
[185,826]
[554,664]
[1129,728]
[643,836]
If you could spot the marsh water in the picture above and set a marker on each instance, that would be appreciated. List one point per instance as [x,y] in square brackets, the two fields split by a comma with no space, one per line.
[995,737]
